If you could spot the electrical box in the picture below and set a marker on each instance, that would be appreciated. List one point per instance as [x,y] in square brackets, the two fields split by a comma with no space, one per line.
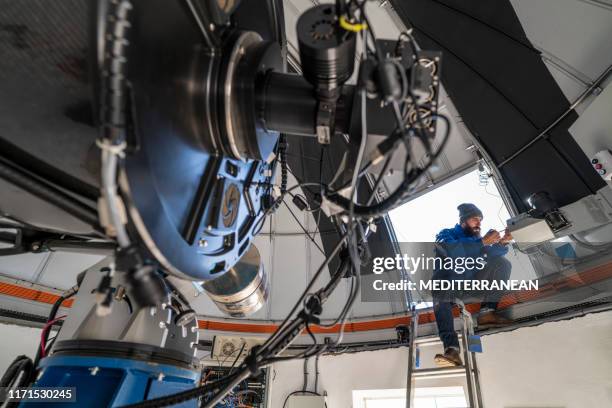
[306,401]
[226,348]
[528,231]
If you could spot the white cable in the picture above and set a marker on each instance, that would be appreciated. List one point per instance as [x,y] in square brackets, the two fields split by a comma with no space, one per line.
[110,155]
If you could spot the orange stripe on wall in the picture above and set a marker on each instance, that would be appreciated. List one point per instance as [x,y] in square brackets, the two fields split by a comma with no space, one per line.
[21,292]
[587,277]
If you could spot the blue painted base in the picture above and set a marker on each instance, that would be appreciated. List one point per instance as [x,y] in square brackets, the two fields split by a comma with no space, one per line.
[113,382]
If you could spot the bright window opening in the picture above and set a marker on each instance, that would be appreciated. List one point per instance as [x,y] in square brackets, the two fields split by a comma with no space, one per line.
[430,397]
[422,218]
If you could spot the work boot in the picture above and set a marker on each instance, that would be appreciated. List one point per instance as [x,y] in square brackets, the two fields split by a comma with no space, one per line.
[450,358]
[492,319]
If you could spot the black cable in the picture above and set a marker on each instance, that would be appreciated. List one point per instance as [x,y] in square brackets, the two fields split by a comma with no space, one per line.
[316,386]
[318,222]
[52,313]
[21,363]
[304,229]
[355,285]
[258,225]
[383,149]
[395,197]
[379,179]
[341,319]
[50,343]
[344,311]
[305,386]
[182,396]
[315,348]
[306,290]
[282,158]
[114,90]
[421,128]
[300,181]
[13,376]
[309,351]
[321,294]
[237,357]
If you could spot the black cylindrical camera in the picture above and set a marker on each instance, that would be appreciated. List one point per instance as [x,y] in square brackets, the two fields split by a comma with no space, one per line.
[327,52]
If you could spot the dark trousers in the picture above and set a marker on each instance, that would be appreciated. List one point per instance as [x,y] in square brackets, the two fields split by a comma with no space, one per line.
[496,269]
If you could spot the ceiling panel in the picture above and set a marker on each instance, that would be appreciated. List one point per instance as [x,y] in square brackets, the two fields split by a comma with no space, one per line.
[62,269]
[24,267]
[576,32]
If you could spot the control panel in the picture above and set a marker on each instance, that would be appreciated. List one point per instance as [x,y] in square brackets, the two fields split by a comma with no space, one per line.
[602,162]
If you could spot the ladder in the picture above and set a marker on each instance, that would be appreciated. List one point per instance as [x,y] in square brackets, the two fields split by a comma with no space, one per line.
[469,369]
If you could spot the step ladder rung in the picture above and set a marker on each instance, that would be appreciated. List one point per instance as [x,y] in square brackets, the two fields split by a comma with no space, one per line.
[438,371]
[432,341]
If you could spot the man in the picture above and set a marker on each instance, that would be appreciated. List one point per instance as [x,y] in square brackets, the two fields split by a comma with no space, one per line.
[465,241]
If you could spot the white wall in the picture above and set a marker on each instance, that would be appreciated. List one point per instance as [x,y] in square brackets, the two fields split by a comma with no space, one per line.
[565,364]
[17,340]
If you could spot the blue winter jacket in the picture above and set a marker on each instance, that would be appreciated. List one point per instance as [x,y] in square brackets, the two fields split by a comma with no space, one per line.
[455,243]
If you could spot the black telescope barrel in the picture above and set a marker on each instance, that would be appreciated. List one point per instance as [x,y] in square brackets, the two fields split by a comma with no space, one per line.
[287,103]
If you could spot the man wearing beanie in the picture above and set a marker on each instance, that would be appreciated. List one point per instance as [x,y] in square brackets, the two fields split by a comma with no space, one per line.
[465,240]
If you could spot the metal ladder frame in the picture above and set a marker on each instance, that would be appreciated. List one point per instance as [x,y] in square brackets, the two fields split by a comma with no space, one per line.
[469,368]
